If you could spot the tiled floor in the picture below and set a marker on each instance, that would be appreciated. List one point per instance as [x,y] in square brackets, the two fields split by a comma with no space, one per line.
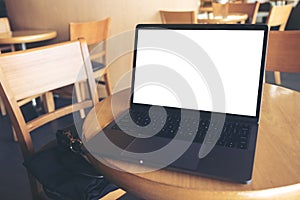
[13,178]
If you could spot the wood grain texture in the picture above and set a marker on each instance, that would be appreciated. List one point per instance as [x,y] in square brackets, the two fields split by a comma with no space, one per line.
[95,33]
[26,36]
[276,166]
[220,9]
[6,30]
[178,17]
[279,15]
[283,52]
[232,18]
[251,9]
[28,64]
[4,25]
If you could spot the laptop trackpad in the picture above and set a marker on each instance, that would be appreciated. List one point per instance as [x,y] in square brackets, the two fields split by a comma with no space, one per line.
[189,160]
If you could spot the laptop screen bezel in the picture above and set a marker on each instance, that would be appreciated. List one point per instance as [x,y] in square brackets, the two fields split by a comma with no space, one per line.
[138,106]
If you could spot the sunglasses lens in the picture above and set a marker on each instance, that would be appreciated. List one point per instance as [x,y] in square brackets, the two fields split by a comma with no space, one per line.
[76,145]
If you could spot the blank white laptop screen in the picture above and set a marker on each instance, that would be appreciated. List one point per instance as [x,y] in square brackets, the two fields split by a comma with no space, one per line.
[236,56]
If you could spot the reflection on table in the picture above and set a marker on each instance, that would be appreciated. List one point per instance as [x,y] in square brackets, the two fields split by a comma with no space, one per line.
[276,166]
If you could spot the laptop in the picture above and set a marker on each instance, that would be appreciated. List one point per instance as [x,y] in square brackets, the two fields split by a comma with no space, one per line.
[195,100]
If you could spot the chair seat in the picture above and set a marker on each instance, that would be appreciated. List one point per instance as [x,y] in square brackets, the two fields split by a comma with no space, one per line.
[97,66]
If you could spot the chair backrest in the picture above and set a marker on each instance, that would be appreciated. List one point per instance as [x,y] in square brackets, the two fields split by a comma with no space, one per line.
[4,25]
[220,9]
[178,17]
[27,73]
[251,9]
[283,53]
[93,32]
[279,16]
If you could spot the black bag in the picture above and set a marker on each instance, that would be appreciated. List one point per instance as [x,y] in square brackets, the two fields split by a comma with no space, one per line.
[65,173]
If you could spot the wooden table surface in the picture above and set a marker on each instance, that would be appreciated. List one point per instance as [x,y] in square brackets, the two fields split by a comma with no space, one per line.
[205,9]
[26,36]
[231,18]
[276,171]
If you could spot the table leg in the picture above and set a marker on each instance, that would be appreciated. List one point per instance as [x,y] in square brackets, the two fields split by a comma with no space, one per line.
[23,46]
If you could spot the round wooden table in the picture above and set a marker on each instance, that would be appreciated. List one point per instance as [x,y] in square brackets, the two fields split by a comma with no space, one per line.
[231,18]
[276,173]
[26,36]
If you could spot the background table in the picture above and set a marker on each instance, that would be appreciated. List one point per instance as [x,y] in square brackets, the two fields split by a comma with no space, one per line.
[277,161]
[232,18]
[26,36]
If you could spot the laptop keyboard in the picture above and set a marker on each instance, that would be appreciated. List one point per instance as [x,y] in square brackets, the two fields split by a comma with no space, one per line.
[233,135]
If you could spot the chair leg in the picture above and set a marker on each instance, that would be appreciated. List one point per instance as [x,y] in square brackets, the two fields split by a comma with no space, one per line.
[14,134]
[35,187]
[3,111]
[48,102]
[80,95]
[107,84]
[277,78]
[114,195]
[2,107]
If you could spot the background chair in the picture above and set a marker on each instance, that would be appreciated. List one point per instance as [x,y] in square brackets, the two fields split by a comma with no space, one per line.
[95,32]
[178,17]
[205,6]
[220,9]
[278,17]
[251,9]
[26,73]
[5,29]
[283,51]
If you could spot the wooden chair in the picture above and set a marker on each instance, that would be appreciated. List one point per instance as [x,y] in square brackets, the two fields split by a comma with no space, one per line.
[220,10]
[95,32]
[178,17]
[279,16]
[205,6]
[283,51]
[4,29]
[48,98]
[26,73]
[251,9]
